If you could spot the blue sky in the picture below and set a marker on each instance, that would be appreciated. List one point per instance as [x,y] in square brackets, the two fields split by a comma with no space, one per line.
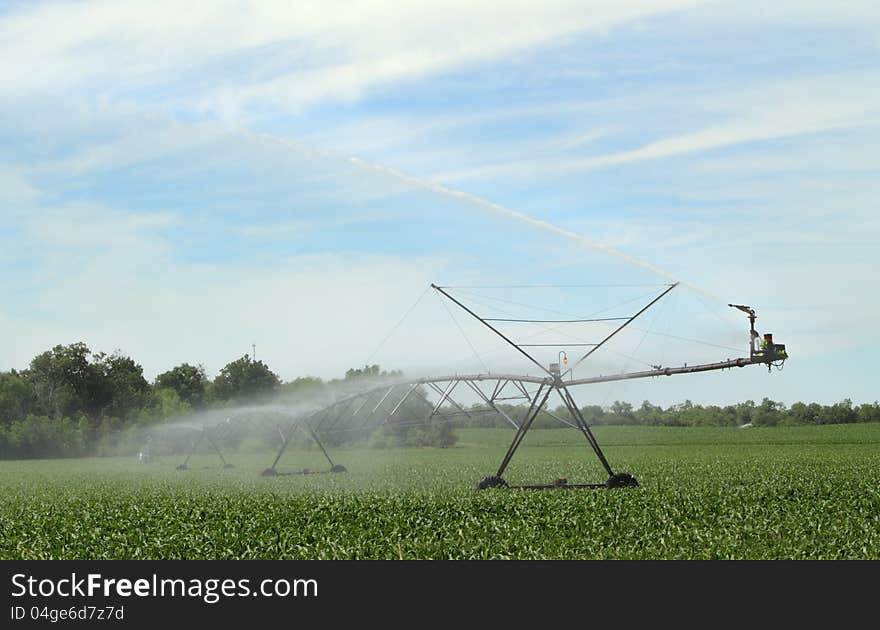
[181,183]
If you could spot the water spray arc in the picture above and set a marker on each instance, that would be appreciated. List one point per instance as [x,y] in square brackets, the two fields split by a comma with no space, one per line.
[541,224]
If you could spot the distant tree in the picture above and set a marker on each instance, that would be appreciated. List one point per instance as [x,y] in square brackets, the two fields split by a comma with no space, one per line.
[16,397]
[621,413]
[370,371]
[838,413]
[594,414]
[768,414]
[245,378]
[188,381]
[166,403]
[649,414]
[69,380]
[303,385]
[121,387]
[869,413]
[799,413]
[64,382]
[689,414]
[745,412]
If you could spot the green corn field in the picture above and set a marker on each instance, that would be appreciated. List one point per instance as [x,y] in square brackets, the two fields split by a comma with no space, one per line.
[705,493]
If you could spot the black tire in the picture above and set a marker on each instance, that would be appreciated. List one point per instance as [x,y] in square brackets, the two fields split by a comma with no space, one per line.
[338,468]
[182,467]
[621,480]
[492,481]
[269,472]
[228,466]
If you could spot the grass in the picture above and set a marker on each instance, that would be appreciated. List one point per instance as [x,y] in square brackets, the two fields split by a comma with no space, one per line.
[793,492]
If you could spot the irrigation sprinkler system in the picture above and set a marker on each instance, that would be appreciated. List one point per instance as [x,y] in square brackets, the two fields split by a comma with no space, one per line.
[271,471]
[204,435]
[365,411]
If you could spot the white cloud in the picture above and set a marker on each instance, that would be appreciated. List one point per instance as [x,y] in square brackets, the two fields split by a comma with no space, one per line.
[316,51]
[299,229]
[314,315]
[780,119]
[757,113]
[118,279]
[15,188]
[92,226]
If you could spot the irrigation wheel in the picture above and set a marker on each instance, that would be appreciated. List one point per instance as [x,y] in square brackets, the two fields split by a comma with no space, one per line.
[621,480]
[491,481]
[338,468]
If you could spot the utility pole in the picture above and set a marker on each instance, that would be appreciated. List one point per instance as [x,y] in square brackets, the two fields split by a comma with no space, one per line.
[254,352]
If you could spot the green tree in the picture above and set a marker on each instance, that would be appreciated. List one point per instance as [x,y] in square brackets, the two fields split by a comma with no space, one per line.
[649,414]
[838,413]
[370,371]
[166,403]
[64,381]
[745,412]
[188,381]
[68,380]
[621,413]
[245,378]
[769,413]
[594,414]
[869,412]
[16,397]
[121,387]
[303,386]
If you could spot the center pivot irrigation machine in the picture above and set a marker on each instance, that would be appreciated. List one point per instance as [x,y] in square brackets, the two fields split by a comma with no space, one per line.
[378,405]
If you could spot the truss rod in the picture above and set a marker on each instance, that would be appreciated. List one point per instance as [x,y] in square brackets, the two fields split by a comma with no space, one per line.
[562,420]
[499,386]
[403,400]
[443,395]
[216,448]
[557,345]
[492,404]
[344,406]
[314,436]
[447,395]
[493,329]
[523,389]
[622,326]
[283,448]
[195,445]
[523,428]
[584,428]
[554,321]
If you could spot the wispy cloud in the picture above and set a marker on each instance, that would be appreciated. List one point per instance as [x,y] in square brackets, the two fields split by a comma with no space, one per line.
[212,53]
[756,114]
[15,188]
[299,229]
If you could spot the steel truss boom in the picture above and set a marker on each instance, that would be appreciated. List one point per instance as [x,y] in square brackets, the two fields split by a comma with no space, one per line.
[541,389]
[444,386]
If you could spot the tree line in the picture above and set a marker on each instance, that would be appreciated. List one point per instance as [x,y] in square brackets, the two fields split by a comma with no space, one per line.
[767,413]
[70,401]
